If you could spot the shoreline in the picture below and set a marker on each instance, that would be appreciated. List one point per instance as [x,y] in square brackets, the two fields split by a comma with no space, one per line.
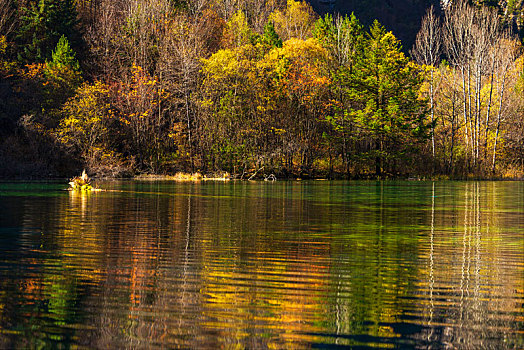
[186,177]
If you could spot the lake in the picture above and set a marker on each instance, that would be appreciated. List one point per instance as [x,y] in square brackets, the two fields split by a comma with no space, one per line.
[256,265]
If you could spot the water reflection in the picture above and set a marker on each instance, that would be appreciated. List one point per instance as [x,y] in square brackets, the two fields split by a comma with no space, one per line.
[258,265]
[475,274]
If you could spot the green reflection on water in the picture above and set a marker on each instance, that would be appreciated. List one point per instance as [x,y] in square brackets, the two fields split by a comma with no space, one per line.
[262,265]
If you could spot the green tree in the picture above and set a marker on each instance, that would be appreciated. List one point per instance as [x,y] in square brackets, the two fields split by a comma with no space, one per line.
[343,38]
[384,89]
[42,24]
[64,56]
[62,74]
[270,38]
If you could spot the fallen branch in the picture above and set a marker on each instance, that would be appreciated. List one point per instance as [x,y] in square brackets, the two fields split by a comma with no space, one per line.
[255,174]
[271,177]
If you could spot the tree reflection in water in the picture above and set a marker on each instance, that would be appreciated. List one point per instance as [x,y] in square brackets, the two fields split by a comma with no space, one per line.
[258,265]
[474,275]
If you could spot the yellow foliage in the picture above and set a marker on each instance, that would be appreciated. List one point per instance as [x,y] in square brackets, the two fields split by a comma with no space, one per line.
[61,77]
[278,131]
[3,45]
[85,116]
[237,31]
[229,69]
[177,133]
[296,21]
[297,49]
[222,64]
[6,67]
[299,62]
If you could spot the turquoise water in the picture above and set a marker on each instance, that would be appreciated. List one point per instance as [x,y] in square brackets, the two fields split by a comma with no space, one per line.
[263,265]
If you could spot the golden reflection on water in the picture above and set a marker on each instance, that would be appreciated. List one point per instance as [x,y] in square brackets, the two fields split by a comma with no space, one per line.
[270,267]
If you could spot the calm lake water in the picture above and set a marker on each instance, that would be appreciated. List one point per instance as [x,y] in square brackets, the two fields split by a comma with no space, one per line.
[263,265]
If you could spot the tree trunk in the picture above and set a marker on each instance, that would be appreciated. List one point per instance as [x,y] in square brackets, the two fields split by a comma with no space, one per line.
[432,106]
[498,124]
[486,127]
[453,117]
[465,111]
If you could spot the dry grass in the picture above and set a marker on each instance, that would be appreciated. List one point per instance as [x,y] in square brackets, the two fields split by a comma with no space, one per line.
[223,176]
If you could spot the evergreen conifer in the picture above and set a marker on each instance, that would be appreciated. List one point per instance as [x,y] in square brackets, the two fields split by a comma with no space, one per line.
[42,25]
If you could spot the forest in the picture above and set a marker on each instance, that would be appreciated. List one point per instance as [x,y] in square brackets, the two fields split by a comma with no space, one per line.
[247,87]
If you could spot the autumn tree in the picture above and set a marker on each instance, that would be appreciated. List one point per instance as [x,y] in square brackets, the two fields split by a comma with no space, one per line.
[258,11]
[179,68]
[427,51]
[306,89]
[86,128]
[508,71]
[474,42]
[143,121]
[228,99]
[248,90]
[237,31]
[102,34]
[295,21]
